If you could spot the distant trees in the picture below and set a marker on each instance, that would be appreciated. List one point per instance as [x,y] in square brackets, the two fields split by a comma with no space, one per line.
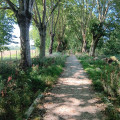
[81,25]
[89,22]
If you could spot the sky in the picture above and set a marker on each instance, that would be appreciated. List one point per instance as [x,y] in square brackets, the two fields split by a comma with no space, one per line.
[16,32]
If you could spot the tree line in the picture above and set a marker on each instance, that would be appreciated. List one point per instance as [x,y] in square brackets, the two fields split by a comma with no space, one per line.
[58,25]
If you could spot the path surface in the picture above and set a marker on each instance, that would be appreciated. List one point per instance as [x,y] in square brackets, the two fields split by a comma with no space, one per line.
[73,98]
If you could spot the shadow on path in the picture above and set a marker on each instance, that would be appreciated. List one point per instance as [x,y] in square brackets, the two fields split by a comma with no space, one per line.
[73,98]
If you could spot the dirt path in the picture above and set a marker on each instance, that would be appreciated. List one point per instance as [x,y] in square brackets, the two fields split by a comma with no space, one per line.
[73,98]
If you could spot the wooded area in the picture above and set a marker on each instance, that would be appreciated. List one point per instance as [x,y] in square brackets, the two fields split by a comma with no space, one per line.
[58,27]
[83,25]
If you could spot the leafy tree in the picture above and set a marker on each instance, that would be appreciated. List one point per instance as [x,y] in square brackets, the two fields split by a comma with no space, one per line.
[61,28]
[97,31]
[6,28]
[73,28]
[102,9]
[53,26]
[22,10]
[112,41]
[41,22]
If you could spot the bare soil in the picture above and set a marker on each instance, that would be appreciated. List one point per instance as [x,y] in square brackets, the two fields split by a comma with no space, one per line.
[73,97]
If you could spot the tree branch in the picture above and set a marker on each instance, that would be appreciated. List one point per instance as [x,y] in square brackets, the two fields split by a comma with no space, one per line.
[36,22]
[57,19]
[99,9]
[12,6]
[53,10]
[4,8]
[44,12]
[35,18]
[38,12]
[106,11]
[55,7]
[29,4]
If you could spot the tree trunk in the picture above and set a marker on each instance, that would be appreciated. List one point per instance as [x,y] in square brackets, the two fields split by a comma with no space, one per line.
[51,33]
[23,12]
[59,47]
[84,43]
[93,48]
[51,44]
[42,43]
[24,25]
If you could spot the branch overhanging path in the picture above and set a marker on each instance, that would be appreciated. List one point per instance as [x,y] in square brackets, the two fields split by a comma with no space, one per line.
[73,97]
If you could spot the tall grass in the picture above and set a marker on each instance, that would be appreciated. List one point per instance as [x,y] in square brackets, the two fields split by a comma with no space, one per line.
[106,80]
[20,88]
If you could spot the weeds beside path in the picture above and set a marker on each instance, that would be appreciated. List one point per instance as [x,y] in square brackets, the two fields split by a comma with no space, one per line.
[73,97]
[19,88]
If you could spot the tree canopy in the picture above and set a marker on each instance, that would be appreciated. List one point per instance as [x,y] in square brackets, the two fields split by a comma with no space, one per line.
[59,25]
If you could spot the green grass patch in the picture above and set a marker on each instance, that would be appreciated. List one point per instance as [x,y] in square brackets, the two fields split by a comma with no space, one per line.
[94,70]
[106,81]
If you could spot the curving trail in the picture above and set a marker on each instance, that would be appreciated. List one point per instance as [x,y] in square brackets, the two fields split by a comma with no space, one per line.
[73,98]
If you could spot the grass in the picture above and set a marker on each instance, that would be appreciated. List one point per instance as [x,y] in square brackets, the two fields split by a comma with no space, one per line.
[106,81]
[20,88]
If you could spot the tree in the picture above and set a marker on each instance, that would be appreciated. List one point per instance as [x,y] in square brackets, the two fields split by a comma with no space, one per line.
[80,12]
[98,28]
[61,30]
[22,10]
[97,31]
[85,15]
[42,23]
[53,27]
[6,28]
[73,28]
[112,40]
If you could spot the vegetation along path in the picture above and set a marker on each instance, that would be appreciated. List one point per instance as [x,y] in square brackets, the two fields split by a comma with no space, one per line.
[73,98]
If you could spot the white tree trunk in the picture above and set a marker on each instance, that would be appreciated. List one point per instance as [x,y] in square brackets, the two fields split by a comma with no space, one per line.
[24,25]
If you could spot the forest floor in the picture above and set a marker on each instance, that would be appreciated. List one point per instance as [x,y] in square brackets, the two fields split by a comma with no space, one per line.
[73,97]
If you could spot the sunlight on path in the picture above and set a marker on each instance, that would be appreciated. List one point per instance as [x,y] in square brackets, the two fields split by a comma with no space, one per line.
[73,98]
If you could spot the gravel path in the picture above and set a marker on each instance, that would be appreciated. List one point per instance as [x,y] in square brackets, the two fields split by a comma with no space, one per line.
[73,98]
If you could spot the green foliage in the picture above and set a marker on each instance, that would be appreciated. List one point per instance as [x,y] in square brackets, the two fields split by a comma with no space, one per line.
[6,28]
[112,112]
[96,28]
[7,68]
[106,79]
[112,45]
[34,35]
[103,75]
[20,88]
[91,67]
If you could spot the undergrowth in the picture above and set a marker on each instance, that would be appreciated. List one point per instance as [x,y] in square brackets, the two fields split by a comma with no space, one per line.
[106,81]
[19,88]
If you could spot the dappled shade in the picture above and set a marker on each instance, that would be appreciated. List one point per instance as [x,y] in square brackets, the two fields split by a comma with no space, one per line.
[73,98]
